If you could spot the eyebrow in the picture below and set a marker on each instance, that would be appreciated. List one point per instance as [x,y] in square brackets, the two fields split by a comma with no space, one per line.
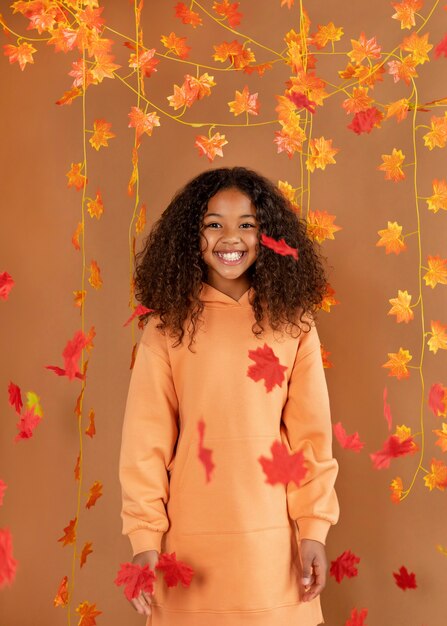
[220,215]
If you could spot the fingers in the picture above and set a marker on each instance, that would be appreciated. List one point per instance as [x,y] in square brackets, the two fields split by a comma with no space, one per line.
[143,604]
[313,580]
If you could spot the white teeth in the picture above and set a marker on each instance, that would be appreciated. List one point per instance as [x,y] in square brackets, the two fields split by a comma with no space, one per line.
[230,256]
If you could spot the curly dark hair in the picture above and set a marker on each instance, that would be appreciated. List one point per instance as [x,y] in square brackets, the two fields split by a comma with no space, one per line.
[169,268]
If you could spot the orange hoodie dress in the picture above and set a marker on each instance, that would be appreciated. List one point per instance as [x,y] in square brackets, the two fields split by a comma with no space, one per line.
[239,533]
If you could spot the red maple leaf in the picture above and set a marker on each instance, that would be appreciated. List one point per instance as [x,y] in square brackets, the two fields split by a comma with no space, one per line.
[301,100]
[364,121]
[344,565]
[6,284]
[26,425]
[283,467]
[136,578]
[15,397]
[280,247]
[71,354]
[267,366]
[436,399]
[139,310]
[387,409]
[3,488]
[441,48]
[357,619]
[392,448]
[204,454]
[404,579]
[174,571]
[8,564]
[350,442]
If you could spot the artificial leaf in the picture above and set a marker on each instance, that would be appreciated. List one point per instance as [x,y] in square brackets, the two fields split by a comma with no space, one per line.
[8,564]
[69,535]
[321,153]
[391,238]
[145,62]
[187,16]
[229,11]
[174,571]
[95,207]
[140,222]
[392,448]
[328,299]
[91,430]
[267,366]
[300,100]
[205,454]
[437,477]
[438,339]
[363,48]
[86,550]
[397,363]
[403,70]
[3,488]
[210,146]
[175,44]
[392,166]
[405,12]
[387,409]
[437,136]
[438,200]
[136,578]
[142,122]
[325,34]
[396,487]
[437,271]
[244,102]
[404,579]
[140,309]
[437,399]
[359,100]
[283,467]
[75,178]
[398,109]
[365,121]
[357,619]
[344,565]
[101,134]
[320,225]
[441,442]
[417,46]
[349,442]
[401,307]
[88,613]
[15,397]
[239,55]
[94,494]
[23,53]
[26,425]
[77,468]
[279,246]
[6,284]
[61,597]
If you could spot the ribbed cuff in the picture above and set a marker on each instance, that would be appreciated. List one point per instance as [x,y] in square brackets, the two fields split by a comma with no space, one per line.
[143,539]
[313,528]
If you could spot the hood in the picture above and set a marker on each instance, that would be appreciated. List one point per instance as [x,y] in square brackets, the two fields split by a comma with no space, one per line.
[217,299]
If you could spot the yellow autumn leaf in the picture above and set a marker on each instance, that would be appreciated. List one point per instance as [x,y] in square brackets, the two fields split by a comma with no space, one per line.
[320,225]
[437,477]
[401,307]
[321,153]
[418,47]
[397,363]
[141,220]
[438,339]
[437,273]
[396,488]
[391,238]
[96,207]
[392,165]
[442,434]
[437,136]
[439,198]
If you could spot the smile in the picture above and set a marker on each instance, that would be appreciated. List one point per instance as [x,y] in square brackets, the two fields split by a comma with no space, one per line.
[230,258]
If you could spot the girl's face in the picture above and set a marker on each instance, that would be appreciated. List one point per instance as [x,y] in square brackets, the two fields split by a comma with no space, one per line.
[229,225]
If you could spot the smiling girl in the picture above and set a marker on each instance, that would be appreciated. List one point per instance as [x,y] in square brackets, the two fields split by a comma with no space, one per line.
[200,417]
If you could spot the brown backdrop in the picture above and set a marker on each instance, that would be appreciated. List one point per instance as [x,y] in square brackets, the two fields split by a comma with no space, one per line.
[39,215]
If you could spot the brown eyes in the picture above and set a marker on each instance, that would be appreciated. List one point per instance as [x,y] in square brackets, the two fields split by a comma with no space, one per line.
[246,224]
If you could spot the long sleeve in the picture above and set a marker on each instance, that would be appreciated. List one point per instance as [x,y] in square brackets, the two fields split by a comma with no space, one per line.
[149,435]
[306,425]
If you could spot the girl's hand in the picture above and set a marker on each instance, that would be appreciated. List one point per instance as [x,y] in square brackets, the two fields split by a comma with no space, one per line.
[142,604]
[314,563]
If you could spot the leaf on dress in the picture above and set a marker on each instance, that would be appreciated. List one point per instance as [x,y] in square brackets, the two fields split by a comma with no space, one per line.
[349,442]
[174,571]
[280,247]
[135,578]
[404,579]
[267,366]
[344,565]
[283,467]
[204,454]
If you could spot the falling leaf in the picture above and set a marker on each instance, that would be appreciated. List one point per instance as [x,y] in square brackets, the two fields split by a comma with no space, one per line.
[3,488]
[397,363]
[283,467]
[391,165]
[26,425]
[387,409]
[174,571]
[15,397]
[280,247]
[437,272]
[438,339]
[392,448]
[344,565]
[6,284]
[205,454]
[136,578]
[349,442]
[61,597]
[404,579]
[442,434]
[88,613]
[8,564]
[437,478]
[357,619]
[267,366]
[94,494]
[437,399]
[391,238]
[401,307]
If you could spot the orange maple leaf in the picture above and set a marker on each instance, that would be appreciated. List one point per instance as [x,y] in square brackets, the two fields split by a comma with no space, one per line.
[405,11]
[23,53]
[86,550]
[235,52]
[69,535]
[404,69]
[437,477]
[397,363]
[69,96]
[329,299]
[391,165]
[27,424]
[101,133]
[442,434]
[75,178]
[437,272]
[401,307]
[96,207]
[91,430]
[140,222]
[437,136]
[145,62]
[363,48]
[358,101]
[94,494]
[438,339]
[321,153]
[325,34]
[418,47]
[391,238]
[398,108]
[290,138]
[95,276]
[244,102]
[320,225]
[61,597]
[439,198]
[210,147]
[187,16]
[77,467]
[88,613]
[142,122]
[175,44]
[396,488]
